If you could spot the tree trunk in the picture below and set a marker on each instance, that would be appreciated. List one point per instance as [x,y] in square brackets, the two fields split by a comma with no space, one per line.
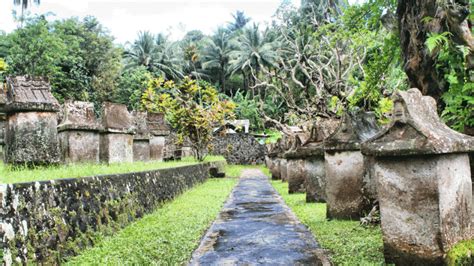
[417,19]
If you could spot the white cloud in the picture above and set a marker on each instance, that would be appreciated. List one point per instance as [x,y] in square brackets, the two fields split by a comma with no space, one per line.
[124,18]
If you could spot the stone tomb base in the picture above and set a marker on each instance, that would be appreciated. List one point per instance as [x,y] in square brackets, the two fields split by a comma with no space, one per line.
[283,170]
[344,184]
[116,147]
[295,175]
[79,146]
[141,150]
[31,138]
[315,179]
[157,148]
[429,190]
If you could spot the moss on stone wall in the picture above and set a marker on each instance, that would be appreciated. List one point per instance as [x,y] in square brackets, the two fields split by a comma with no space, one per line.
[53,220]
[461,254]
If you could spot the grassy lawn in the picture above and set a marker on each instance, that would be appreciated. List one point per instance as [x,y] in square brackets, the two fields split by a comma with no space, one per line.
[166,237]
[348,243]
[23,174]
[235,170]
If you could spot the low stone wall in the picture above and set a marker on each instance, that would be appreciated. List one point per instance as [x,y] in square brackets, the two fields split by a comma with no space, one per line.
[239,149]
[47,221]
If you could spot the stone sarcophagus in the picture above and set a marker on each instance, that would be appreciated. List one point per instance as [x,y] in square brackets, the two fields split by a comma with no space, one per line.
[272,160]
[348,179]
[159,131]
[295,166]
[79,133]
[116,138]
[423,182]
[30,132]
[141,140]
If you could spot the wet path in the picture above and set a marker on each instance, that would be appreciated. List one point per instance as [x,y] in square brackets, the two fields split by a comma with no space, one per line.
[256,227]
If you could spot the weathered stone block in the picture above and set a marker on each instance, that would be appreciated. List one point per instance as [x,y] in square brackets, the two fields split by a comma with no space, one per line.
[315,179]
[141,150]
[31,138]
[116,140]
[283,170]
[79,146]
[423,182]
[116,148]
[295,175]
[30,134]
[345,167]
[116,118]
[157,146]
[425,203]
[79,133]
[141,140]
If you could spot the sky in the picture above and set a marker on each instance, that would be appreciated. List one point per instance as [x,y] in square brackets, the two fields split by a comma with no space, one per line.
[124,18]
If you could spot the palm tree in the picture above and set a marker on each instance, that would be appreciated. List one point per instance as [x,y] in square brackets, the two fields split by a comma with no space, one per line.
[215,55]
[253,50]
[155,53]
[25,3]
[240,20]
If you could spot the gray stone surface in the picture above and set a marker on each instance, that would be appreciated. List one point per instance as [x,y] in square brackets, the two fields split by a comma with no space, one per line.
[30,134]
[315,179]
[256,227]
[423,182]
[296,176]
[116,118]
[116,148]
[157,146]
[344,185]
[416,129]
[45,222]
[79,146]
[78,133]
[238,148]
[116,138]
[141,139]
[284,170]
[29,94]
[425,205]
[346,172]
[141,150]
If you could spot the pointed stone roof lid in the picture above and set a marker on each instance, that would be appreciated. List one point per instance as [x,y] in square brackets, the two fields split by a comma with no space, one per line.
[25,93]
[416,129]
[77,115]
[116,118]
[157,124]
[353,129]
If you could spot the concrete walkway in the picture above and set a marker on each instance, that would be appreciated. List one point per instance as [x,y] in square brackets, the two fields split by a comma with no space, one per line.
[256,227]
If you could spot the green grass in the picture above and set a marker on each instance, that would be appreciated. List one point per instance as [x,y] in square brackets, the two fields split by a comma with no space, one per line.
[23,174]
[166,237]
[461,254]
[235,170]
[348,242]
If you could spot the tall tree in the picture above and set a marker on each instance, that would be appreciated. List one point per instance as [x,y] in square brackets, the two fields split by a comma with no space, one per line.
[155,53]
[253,50]
[215,55]
[240,20]
[417,21]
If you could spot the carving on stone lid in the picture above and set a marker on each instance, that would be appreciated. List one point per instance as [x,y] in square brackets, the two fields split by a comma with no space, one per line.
[353,129]
[78,115]
[157,124]
[25,93]
[416,129]
[116,118]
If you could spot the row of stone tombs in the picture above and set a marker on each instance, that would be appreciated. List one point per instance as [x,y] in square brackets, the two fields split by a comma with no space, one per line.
[32,135]
[416,168]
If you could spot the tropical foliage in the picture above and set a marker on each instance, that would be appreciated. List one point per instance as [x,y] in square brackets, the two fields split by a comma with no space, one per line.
[311,62]
[193,109]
